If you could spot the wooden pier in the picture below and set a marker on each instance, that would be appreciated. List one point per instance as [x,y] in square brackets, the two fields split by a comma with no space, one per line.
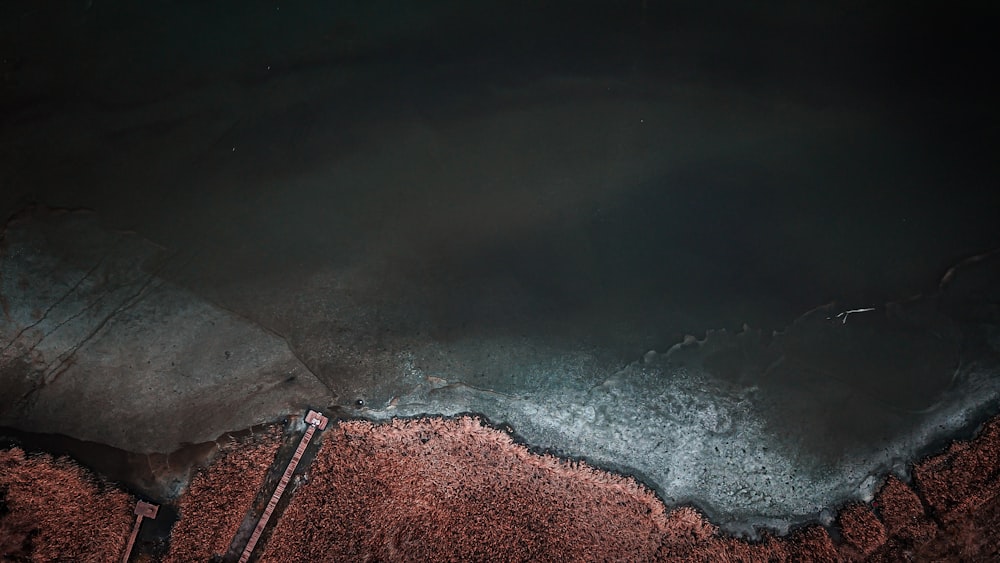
[315,421]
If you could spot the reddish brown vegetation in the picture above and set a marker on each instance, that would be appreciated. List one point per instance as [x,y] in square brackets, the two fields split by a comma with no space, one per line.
[961,489]
[52,509]
[953,514]
[451,490]
[432,489]
[219,496]
[963,478]
[437,490]
[903,514]
[863,532]
[689,537]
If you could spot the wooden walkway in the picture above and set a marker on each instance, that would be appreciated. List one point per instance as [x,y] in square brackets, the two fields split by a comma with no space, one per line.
[316,421]
[246,541]
[143,509]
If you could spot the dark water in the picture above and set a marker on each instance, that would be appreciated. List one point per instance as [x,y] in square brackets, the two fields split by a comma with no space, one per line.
[628,162]
[448,182]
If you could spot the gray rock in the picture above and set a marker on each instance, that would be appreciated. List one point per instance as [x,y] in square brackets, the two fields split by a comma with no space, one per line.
[94,344]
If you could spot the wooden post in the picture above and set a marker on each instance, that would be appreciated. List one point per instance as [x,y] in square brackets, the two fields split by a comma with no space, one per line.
[142,510]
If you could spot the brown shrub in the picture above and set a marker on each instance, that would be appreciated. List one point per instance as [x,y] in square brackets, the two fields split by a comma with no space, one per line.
[453,490]
[863,532]
[219,496]
[963,478]
[55,510]
[903,514]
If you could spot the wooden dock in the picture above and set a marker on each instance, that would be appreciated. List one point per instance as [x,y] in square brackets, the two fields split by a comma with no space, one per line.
[316,422]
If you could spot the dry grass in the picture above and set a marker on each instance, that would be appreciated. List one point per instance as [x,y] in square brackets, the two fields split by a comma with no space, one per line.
[454,490]
[434,489]
[219,496]
[52,509]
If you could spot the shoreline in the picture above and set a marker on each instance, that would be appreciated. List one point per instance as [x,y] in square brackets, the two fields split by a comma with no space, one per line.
[943,507]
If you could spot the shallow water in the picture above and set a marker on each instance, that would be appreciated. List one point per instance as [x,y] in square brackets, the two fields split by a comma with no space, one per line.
[507,207]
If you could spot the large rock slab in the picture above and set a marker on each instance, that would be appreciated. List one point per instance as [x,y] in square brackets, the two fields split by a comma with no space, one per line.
[96,345]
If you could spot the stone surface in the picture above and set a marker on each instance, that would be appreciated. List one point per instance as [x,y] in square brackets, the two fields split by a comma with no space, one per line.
[97,346]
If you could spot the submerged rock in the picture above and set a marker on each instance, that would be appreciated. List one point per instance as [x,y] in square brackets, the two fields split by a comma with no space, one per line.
[96,345]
